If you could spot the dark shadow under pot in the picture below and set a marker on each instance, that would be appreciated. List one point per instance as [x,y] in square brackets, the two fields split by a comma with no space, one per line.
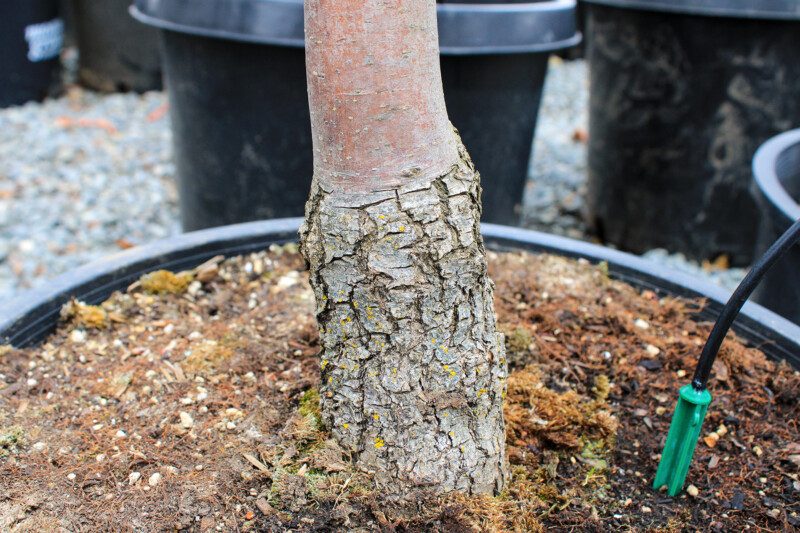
[116,53]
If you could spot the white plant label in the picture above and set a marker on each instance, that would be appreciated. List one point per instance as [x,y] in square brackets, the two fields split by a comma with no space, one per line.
[44,39]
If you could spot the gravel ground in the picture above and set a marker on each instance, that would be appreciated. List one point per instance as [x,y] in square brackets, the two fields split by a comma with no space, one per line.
[86,175]
[81,177]
[553,199]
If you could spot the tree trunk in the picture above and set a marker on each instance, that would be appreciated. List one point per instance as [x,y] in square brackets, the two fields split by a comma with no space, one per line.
[413,368]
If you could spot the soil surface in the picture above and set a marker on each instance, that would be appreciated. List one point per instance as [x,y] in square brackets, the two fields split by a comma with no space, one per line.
[189,403]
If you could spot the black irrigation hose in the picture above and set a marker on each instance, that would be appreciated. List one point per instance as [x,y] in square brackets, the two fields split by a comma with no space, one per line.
[736,301]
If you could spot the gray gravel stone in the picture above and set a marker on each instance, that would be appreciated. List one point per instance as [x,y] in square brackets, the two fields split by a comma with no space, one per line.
[81,177]
[728,278]
[553,200]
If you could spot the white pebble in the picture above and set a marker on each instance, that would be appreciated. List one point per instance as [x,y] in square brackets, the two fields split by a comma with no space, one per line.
[154,480]
[134,477]
[194,288]
[186,420]
[77,335]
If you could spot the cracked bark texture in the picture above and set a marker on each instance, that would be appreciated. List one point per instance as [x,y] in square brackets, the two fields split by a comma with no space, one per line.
[413,368]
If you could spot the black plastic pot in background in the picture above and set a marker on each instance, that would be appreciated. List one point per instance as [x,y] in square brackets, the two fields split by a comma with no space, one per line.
[494,60]
[776,186]
[575,51]
[241,133]
[493,101]
[116,53]
[65,11]
[31,36]
[235,73]
[682,94]
[34,314]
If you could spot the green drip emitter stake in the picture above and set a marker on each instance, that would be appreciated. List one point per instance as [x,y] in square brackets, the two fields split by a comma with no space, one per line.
[694,398]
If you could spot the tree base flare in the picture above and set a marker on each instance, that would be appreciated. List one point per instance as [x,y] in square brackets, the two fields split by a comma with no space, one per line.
[413,368]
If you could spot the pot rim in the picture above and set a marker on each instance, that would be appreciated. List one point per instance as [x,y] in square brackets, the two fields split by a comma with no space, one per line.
[464,29]
[783,209]
[760,9]
[29,317]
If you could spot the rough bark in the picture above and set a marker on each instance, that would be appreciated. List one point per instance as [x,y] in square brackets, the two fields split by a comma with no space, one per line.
[413,369]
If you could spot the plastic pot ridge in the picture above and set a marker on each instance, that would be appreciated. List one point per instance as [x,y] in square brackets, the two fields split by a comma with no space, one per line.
[31,316]
[776,186]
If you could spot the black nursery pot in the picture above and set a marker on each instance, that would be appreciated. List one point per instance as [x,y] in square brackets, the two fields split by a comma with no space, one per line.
[682,94]
[116,53]
[33,315]
[494,61]
[235,73]
[31,36]
[776,168]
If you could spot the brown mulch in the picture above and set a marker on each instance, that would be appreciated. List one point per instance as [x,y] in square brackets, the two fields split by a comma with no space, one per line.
[188,403]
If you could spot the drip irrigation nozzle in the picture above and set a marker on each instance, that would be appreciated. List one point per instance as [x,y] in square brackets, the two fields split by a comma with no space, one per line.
[693,400]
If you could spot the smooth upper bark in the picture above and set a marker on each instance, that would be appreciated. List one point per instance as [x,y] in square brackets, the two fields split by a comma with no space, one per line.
[375,93]
[413,368]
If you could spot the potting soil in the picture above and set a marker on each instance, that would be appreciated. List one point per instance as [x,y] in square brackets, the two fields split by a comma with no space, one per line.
[189,403]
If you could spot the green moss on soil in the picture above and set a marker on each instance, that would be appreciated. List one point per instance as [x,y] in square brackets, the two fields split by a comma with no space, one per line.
[11,439]
[165,282]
